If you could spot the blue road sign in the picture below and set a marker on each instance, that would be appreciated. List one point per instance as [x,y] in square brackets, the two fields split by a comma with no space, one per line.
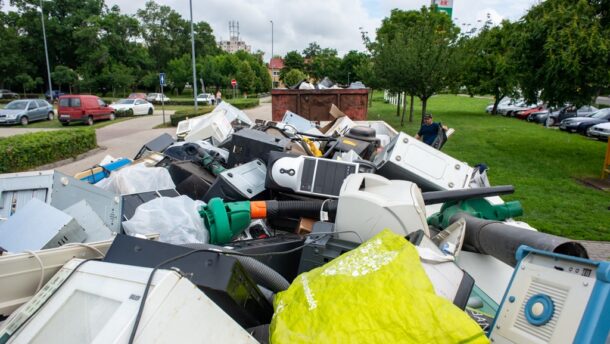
[162,78]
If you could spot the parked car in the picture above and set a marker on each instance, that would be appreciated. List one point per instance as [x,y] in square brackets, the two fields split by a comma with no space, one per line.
[206,98]
[6,94]
[25,111]
[511,109]
[137,96]
[56,94]
[582,124]
[524,114]
[599,131]
[133,107]
[503,102]
[83,109]
[157,97]
[554,118]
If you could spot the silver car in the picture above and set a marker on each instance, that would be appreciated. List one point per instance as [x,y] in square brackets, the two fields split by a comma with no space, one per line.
[25,111]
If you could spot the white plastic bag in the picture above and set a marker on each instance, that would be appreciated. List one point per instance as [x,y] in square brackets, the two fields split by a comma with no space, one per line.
[137,178]
[176,219]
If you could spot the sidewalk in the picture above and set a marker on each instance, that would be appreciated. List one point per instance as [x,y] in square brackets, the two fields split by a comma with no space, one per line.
[123,139]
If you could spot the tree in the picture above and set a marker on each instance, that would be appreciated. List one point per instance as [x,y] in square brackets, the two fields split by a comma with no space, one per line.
[348,68]
[27,83]
[292,60]
[563,51]
[246,78]
[312,50]
[293,77]
[415,51]
[325,64]
[63,75]
[179,71]
[488,63]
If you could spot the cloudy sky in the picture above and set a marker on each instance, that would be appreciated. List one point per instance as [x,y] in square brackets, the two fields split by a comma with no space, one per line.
[331,23]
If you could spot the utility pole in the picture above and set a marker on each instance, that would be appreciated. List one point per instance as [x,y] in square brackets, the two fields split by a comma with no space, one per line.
[193,57]
[46,52]
[272,76]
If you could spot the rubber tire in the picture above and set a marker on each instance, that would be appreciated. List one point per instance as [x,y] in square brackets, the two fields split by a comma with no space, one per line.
[89,121]
[129,112]
[112,116]
[65,124]
[24,121]
[150,111]
[550,121]
[51,115]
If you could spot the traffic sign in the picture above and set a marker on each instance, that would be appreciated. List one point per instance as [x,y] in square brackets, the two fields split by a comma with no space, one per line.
[233,82]
[162,78]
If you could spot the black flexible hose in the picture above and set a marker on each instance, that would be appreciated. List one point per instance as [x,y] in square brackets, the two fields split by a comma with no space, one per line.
[297,209]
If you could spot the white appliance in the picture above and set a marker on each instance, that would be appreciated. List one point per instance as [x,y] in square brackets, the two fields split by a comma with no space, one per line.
[369,203]
[98,303]
[214,125]
[407,158]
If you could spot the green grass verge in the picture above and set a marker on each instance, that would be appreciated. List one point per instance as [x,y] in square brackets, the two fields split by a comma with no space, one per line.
[27,151]
[56,124]
[541,163]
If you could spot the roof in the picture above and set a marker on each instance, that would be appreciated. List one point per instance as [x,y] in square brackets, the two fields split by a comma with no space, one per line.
[276,63]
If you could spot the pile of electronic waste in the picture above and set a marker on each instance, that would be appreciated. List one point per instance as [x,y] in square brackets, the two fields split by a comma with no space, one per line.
[290,231]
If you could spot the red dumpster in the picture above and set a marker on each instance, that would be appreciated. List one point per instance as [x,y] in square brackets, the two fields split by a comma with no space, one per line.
[315,104]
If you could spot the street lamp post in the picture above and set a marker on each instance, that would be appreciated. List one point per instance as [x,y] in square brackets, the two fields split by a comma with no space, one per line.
[46,52]
[193,57]
[272,75]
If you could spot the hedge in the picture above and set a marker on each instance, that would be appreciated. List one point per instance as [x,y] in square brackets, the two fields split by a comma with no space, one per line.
[244,103]
[183,114]
[27,151]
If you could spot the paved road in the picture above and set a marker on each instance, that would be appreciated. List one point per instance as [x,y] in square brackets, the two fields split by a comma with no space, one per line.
[123,139]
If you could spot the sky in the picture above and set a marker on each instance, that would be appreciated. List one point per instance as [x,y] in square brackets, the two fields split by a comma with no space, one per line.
[331,23]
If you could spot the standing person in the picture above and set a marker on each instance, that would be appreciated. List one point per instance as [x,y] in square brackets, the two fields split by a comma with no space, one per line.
[218,97]
[431,133]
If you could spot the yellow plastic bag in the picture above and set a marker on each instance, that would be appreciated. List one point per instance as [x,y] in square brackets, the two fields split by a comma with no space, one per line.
[377,293]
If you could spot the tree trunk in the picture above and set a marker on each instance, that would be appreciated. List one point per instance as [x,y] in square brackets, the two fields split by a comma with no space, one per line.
[371,98]
[497,99]
[404,109]
[411,110]
[424,104]
[24,92]
[398,106]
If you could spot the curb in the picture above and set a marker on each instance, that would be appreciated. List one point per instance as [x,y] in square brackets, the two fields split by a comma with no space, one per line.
[60,163]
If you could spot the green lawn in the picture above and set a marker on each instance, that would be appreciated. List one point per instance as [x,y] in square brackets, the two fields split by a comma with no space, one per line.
[541,163]
[56,124]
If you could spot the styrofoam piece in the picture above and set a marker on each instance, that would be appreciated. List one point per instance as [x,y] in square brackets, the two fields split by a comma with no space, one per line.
[37,226]
[92,224]
[58,190]
[100,301]
[21,273]
[407,158]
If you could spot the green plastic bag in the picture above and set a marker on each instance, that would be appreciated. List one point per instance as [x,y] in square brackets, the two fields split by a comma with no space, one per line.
[377,293]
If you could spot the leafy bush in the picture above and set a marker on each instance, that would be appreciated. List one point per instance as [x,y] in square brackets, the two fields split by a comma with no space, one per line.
[244,103]
[27,151]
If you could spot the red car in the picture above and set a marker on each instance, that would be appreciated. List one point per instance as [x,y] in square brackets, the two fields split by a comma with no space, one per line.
[137,96]
[524,114]
[83,109]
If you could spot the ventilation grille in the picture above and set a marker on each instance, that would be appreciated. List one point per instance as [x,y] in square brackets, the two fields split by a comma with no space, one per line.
[544,332]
